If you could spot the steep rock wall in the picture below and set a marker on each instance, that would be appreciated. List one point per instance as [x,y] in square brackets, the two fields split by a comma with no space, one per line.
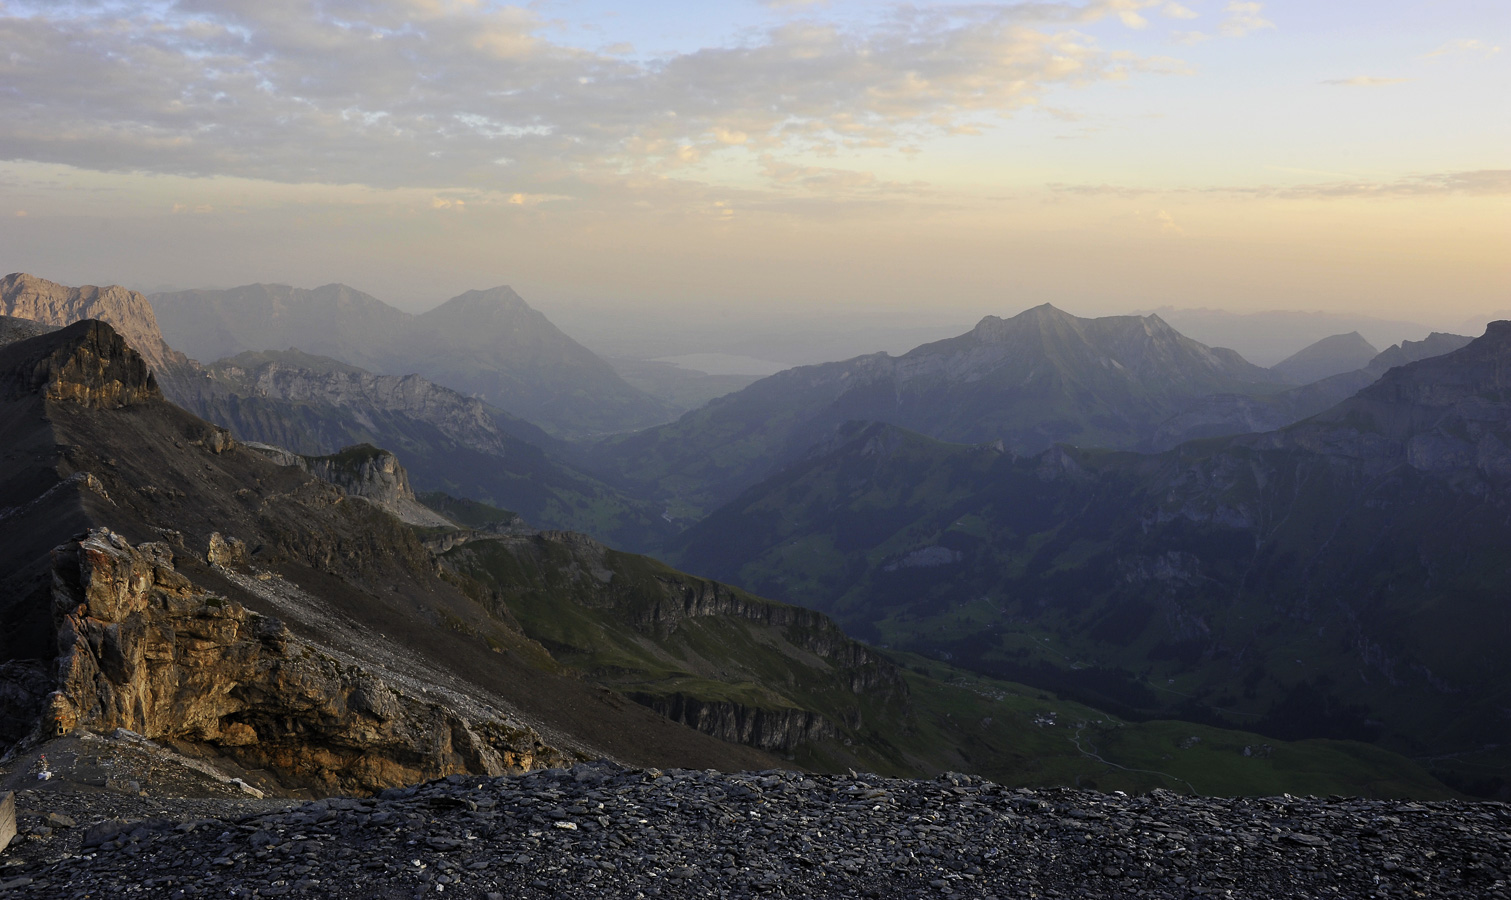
[768,729]
[143,648]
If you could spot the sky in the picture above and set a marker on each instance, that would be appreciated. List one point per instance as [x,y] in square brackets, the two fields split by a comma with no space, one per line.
[683,161]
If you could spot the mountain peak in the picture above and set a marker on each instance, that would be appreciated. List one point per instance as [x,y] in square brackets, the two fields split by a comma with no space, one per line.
[88,363]
[500,297]
[29,297]
[1330,356]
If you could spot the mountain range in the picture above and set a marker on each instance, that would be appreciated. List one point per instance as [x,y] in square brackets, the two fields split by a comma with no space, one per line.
[488,344]
[1342,576]
[267,609]
[1040,378]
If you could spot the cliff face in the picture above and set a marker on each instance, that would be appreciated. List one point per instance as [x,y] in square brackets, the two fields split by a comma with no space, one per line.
[141,647]
[769,729]
[89,364]
[374,475]
[464,419]
[727,663]
[28,297]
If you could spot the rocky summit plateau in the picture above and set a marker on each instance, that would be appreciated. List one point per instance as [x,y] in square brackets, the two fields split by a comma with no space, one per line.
[602,830]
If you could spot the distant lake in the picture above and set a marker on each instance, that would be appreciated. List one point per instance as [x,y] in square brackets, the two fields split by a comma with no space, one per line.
[725,364]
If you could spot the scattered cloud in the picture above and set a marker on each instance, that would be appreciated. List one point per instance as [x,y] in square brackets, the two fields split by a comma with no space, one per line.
[1465,47]
[1243,18]
[1177,11]
[429,94]
[1157,221]
[1191,37]
[1474,183]
[1366,81]
[1479,183]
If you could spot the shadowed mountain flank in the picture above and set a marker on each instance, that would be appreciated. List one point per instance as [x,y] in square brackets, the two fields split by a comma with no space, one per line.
[1342,577]
[160,577]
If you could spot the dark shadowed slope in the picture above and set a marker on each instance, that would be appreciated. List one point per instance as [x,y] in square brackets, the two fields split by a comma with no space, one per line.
[1342,577]
[1225,414]
[204,594]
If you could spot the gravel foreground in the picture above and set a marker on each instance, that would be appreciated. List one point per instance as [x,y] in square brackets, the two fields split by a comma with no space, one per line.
[599,830]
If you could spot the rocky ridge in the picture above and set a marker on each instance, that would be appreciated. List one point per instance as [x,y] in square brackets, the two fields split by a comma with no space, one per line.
[28,297]
[1040,378]
[90,365]
[143,648]
[368,472]
[211,597]
[601,830]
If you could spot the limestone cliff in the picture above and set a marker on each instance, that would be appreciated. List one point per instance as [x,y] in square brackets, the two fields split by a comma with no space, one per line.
[368,472]
[89,364]
[29,297]
[142,647]
[769,729]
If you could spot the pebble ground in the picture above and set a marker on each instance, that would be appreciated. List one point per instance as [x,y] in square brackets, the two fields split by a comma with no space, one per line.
[601,831]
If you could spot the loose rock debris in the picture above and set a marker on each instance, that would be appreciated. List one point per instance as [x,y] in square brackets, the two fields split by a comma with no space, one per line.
[599,830]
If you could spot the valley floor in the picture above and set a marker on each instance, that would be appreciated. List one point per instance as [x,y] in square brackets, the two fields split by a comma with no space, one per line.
[600,830]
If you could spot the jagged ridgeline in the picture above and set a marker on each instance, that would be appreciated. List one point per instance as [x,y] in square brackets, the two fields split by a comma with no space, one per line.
[1033,380]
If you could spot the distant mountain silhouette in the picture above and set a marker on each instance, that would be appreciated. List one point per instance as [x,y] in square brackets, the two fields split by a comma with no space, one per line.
[489,344]
[1329,356]
[1036,379]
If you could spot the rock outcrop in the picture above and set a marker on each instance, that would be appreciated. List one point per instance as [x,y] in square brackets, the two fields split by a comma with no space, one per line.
[88,363]
[128,312]
[780,730]
[368,472]
[141,647]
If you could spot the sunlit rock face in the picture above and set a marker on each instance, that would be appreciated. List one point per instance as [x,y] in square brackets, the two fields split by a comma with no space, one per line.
[141,647]
[128,312]
[87,363]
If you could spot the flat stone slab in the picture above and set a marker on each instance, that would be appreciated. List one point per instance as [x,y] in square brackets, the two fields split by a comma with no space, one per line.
[7,818]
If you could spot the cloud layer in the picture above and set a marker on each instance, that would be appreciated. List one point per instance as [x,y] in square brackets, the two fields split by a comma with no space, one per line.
[445,93]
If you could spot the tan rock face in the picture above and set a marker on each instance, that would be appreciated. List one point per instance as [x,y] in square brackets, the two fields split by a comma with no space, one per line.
[29,297]
[87,363]
[141,647]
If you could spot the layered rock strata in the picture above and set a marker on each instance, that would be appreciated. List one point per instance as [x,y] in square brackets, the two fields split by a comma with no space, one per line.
[141,647]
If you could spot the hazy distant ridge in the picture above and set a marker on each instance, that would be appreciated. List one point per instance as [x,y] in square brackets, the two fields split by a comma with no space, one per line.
[490,344]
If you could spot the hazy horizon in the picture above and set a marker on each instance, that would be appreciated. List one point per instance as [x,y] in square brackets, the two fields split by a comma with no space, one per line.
[923,163]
